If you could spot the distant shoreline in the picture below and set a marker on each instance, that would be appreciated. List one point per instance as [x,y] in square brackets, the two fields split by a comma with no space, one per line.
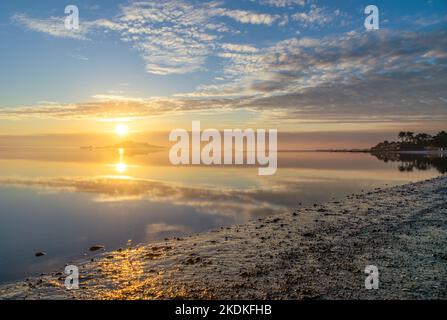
[422,152]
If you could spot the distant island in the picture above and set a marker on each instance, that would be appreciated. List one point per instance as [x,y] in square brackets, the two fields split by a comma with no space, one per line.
[409,141]
[128,145]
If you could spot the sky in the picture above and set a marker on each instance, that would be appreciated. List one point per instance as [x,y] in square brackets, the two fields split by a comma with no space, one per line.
[295,65]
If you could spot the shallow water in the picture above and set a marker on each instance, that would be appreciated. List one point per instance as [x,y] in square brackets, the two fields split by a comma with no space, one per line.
[63,201]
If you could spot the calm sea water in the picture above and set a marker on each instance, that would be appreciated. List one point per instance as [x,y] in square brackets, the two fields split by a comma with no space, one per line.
[63,201]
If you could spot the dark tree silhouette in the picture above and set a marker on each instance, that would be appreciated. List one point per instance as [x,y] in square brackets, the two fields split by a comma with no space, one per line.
[408,141]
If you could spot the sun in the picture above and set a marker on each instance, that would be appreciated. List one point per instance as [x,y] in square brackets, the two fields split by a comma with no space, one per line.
[121,130]
[121,167]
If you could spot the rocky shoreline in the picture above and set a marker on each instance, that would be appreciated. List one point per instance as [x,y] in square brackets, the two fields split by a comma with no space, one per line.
[317,252]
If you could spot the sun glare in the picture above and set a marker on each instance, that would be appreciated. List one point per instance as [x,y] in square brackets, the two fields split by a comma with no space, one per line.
[121,167]
[121,130]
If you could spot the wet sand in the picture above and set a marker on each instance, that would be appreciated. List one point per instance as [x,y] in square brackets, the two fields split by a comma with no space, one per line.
[317,252]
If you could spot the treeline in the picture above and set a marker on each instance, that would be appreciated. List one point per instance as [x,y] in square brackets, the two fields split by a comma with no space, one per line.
[410,141]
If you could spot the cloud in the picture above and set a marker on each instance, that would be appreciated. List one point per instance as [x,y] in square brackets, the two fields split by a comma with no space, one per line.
[115,107]
[244,16]
[54,26]
[385,75]
[310,15]
[367,76]
[116,98]
[316,17]
[357,76]
[283,3]
[239,48]
[172,36]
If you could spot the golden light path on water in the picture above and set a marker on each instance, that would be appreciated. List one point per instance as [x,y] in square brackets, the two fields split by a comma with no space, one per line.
[121,166]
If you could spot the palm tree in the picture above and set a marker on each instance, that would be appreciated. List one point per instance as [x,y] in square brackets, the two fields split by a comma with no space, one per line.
[440,140]
[410,136]
[402,136]
[422,139]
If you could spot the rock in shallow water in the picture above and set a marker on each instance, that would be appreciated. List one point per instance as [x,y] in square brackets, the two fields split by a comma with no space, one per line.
[40,254]
[96,247]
